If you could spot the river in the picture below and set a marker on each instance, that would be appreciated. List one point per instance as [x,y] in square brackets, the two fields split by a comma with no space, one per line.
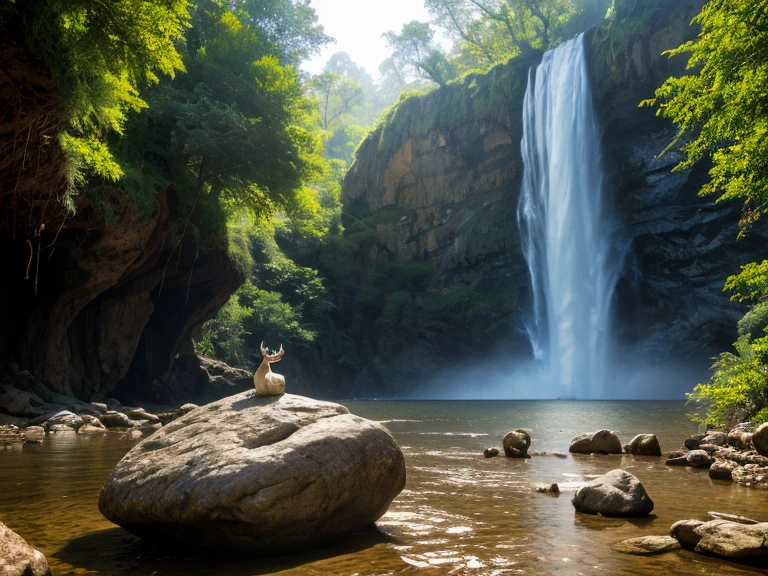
[459,513]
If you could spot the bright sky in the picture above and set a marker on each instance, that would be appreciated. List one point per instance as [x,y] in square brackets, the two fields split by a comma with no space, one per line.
[357,26]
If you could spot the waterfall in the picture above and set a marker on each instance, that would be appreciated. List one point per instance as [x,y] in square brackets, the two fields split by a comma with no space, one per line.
[568,233]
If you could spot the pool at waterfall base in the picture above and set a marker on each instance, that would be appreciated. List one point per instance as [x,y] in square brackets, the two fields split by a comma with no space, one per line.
[460,513]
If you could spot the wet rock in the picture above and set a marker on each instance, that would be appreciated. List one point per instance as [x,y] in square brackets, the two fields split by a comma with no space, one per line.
[491,452]
[167,417]
[62,429]
[601,442]
[516,444]
[723,538]
[644,445]
[740,439]
[17,558]
[716,438]
[34,434]
[751,476]
[647,545]
[547,488]
[257,474]
[722,469]
[676,454]
[91,429]
[732,518]
[100,407]
[684,532]
[548,453]
[710,449]
[11,435]
[694,459]
[693,442]
[113,419]
[63,420]
[141,414]
[760,439]
[617,493]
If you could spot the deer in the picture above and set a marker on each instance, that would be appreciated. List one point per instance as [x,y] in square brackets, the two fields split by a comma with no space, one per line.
[266,382]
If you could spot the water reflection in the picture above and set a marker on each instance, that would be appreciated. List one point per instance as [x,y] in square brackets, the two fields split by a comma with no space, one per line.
[460,513]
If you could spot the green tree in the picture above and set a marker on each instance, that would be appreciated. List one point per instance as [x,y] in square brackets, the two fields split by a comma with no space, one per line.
[415,47]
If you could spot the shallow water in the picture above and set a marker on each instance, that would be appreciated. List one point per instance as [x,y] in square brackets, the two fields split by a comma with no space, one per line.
[459,513]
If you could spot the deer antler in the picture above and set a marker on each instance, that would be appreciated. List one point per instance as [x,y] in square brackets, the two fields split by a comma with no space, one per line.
[272,358]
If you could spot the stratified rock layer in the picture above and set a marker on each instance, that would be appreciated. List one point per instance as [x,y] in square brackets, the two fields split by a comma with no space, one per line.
[257,474]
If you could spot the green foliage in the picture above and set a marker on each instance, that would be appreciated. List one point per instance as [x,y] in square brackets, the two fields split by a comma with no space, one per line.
[415,48]
[722,106]
[101,54]
[738,388]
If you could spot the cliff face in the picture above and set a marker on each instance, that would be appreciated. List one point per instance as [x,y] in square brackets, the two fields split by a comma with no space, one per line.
[450,163]
[101,299]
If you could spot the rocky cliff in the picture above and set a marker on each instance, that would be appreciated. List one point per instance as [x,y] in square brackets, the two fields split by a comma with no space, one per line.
[104,298]
[448,165]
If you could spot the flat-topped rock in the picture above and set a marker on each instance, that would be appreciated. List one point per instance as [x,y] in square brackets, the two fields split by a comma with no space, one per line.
[647,545]
[257,474]
[723,538]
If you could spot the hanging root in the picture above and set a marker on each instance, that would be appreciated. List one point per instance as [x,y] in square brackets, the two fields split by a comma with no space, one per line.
[31,253]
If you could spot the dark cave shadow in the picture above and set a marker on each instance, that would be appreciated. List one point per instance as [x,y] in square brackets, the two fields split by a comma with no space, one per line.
[117,552]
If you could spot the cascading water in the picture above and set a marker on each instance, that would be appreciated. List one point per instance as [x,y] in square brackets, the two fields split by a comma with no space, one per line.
[568,234]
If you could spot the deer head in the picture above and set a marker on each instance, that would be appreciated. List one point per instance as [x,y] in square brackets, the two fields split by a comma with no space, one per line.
[271,358]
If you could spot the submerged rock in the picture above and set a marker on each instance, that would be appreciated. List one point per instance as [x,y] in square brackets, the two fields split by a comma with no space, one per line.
[644,445]
[257,474]
[732,518]
[617,493]
[601,442]
[491,452]
[723,538]
[647,545]
[694,459]
[547,488]
[17,558]
[760,439]
[516,444]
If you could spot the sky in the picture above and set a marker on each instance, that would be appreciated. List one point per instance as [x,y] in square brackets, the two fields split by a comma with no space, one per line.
[357,26]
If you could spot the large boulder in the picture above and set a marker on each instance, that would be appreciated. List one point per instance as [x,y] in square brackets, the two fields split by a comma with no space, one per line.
[617,493]
[760,439]
[644,445]
[17,558]
[257,474]
[723,538]
[602,442]
[516,444]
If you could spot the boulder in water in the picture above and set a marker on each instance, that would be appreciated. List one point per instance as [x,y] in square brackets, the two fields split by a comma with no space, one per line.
[617,493]
[516,444]
[644,445]
[723,538]
[722,469]
[17,558]
[600,442]
[114,419]
[760,439]
[257,474]
[647,545]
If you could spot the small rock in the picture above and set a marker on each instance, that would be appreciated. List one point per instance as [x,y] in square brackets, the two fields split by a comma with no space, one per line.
[710,449]
[644,445]
[516,444]
[491,452]
[732,518]
[113,419]
[64,418]
[617,493]
[676,454]
[722,469]
[91,429]
[17,558]
[92,420]
[715,437]
[647,545]
[34,434]
[693,442]
[760,439]
[113,404]
[100,406]
[547,488]
[699,459]
[62,428]
[601,442]
[141,414]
